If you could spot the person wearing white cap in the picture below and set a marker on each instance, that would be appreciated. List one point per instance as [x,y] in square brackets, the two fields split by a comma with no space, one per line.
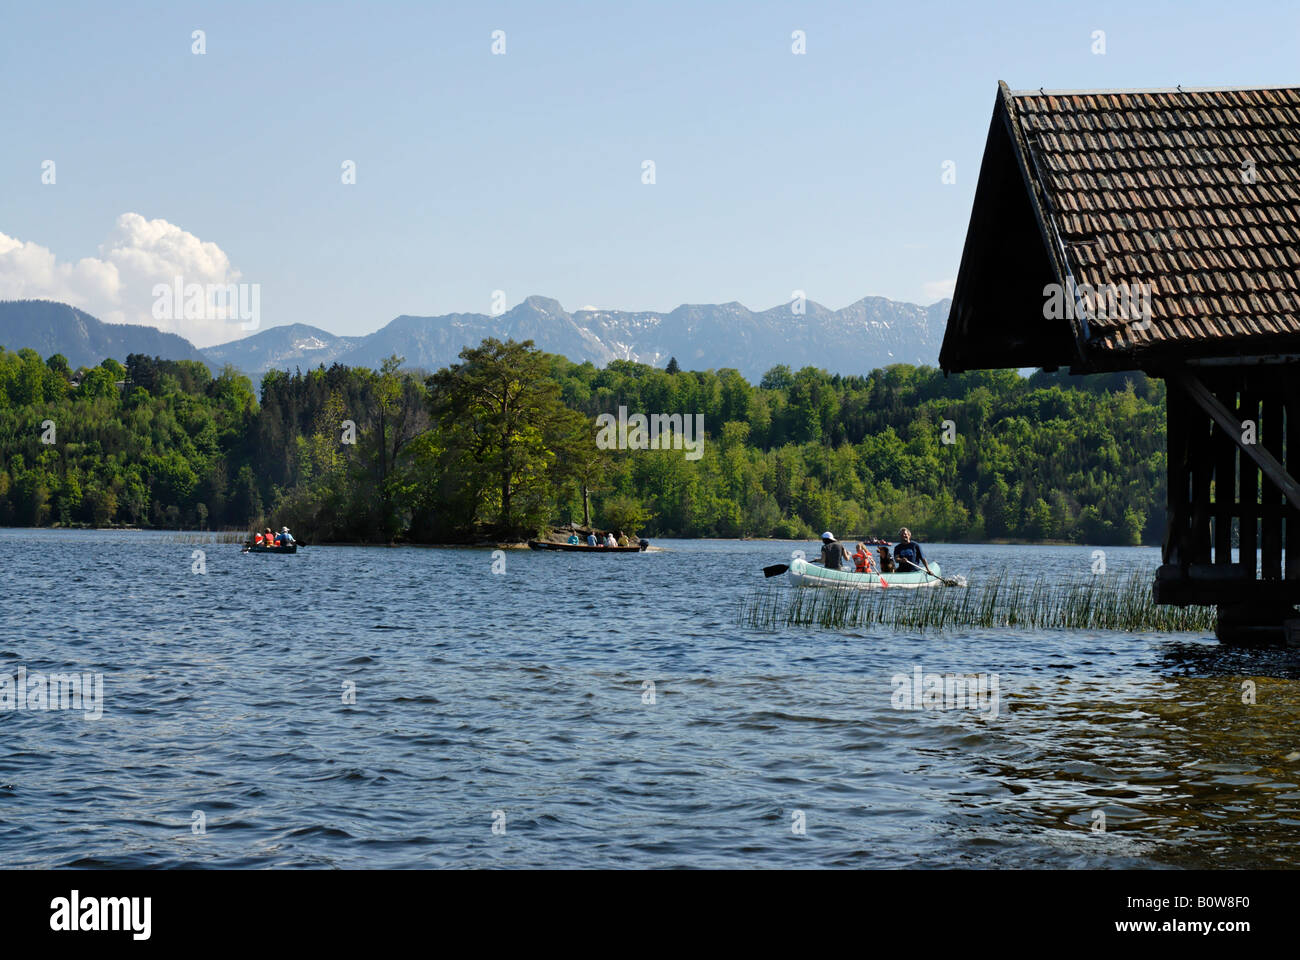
[832,552]
[286,537]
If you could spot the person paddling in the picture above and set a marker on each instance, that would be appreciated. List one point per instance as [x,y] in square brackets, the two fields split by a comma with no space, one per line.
[886,561]
[908,555]
[833,552]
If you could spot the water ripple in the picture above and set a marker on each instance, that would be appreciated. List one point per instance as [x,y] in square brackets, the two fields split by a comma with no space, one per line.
[409,708]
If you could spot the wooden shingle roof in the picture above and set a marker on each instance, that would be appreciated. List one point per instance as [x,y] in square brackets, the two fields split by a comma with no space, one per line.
[1195,195]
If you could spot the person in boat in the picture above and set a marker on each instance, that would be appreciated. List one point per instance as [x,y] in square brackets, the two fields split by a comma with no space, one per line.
[907,554]
[285,537]
[591,539]
[622,539]
[257,539]
[573,539]
[886,561]
[863,561]
[609,540]
[832,552]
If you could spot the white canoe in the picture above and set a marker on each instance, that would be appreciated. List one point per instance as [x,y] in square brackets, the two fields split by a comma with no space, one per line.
[806,574]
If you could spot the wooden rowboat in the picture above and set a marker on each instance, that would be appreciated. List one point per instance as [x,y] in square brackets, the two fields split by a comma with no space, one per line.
[584,548]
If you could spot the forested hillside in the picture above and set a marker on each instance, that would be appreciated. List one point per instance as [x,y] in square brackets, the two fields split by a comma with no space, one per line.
[503,442]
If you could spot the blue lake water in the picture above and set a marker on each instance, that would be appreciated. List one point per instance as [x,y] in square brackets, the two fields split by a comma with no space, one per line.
[520,699]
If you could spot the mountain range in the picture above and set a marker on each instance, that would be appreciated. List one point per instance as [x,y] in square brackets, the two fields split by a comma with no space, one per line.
[871,333]
[49,328]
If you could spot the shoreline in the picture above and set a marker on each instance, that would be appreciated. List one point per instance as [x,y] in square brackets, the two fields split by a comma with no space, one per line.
[523,544]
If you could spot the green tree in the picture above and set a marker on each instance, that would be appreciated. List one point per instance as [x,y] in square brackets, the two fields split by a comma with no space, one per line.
[399,417]
[626,514]
[503,416]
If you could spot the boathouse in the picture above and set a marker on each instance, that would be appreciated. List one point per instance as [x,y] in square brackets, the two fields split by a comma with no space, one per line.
[1159,230]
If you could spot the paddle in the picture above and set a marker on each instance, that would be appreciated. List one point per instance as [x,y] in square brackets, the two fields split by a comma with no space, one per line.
[776,569]
[948,581]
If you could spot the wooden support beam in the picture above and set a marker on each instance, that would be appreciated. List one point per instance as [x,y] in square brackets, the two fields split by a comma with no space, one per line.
[1225,585]
[1291,400]
[1202,466]
[1225,479]
[1268,463]
[1248,485]
[1175,547]
[1270,539]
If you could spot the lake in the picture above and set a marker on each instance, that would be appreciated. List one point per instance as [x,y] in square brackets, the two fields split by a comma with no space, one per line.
[508,719]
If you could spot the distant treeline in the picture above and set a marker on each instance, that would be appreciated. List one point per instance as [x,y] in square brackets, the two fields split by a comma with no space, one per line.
[503,443]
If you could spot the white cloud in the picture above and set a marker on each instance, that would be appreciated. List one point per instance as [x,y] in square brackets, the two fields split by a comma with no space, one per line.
[938,289]
[30,271]
[117,286]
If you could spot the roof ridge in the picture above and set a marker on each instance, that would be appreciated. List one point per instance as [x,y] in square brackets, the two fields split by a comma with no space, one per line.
[1041,92]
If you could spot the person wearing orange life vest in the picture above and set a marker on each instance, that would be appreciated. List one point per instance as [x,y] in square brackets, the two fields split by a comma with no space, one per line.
[863,561]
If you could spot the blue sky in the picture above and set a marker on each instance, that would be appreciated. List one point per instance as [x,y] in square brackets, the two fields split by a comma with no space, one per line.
[523,172]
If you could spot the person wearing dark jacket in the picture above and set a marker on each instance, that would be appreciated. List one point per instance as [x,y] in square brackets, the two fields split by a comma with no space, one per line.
[907,554]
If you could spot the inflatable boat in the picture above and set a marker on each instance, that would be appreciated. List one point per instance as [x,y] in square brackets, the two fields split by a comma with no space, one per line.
[807,574]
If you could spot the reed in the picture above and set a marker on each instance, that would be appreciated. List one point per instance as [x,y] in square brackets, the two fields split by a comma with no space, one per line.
[204,536]
[1003,600]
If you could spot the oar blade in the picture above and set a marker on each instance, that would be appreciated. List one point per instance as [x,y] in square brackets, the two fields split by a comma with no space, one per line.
[776,569]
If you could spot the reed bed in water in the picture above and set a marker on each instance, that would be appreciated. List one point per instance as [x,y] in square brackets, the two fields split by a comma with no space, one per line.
[214,536]
[1114,602]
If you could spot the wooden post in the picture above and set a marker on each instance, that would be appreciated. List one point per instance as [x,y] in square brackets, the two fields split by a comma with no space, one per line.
[1291,395]
[1201,460]
[1270,540]
[1178,495]
[1225,478]
[1248,498]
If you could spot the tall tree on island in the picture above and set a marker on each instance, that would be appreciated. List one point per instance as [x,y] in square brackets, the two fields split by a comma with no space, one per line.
[591,467]
[398,417]
[501,416]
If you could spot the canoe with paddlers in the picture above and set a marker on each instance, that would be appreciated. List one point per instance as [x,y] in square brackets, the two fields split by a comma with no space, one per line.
[262,548]
[268,542]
